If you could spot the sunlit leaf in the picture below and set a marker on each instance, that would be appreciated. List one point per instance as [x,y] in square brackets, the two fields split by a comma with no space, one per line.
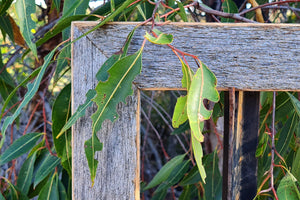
[180,111]
[26,174]
[19,147]
[203,87]
[162,38]
[24,9]
[288,188]
[198,154]
[165,171]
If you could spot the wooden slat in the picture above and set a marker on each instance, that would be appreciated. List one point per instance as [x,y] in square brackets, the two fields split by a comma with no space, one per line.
[118,170]
[244,56]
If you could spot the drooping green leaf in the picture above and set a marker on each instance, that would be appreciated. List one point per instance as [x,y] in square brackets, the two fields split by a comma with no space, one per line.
[31,90]
[182,11]
[191,178]
[203,87]
[109,94]
[62,191]
[91,146]
[162,38]
[165,171]
[288,188]
[295,102]
[180,112]
[181,129]
[160,195]
[262,145]
[213,186]
[47,166]
[285,136]
[61,112]
[198,154]
[19,147]
[6,27]
[295,168]
[79,112]
[228,6]
[26,174]
[102,75]
[50,190]
[57,4]
[25,9]
[5,4]
[1,196]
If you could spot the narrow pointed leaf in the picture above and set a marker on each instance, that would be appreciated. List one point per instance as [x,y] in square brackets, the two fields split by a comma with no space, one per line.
[162,38]
[31,90]
[61,112]
[180,112]
[182,11]
[288,188]
[90,147]
[47,166]
[198,154]
[203,87]
[19,147]
[295,168]
[165,171]
[50,190]
[295,102]
[26,174]
[24,9]
[109,94]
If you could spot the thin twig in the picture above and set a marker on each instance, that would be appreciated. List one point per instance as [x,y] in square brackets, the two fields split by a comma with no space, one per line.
[268,4]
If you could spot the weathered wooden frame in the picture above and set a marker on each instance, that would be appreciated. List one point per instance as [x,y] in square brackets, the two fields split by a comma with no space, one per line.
[247,57]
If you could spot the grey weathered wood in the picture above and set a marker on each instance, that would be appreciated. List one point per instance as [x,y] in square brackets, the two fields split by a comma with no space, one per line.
[118,170]
[243,56]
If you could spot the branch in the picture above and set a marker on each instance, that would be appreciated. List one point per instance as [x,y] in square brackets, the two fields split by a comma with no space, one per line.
[268,4]
[223,14]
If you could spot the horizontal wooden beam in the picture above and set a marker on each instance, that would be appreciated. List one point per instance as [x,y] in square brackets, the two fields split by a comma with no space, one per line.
[250,57]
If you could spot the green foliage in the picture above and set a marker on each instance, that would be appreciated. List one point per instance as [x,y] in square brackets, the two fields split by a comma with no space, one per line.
[25,10]
[229,6]
[19,147]
[45,168]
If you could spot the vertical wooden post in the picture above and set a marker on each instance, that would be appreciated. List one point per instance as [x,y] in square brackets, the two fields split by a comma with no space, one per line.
[245,138]
[118,170]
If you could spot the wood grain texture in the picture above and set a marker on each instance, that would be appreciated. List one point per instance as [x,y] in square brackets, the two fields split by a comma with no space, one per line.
[244,56]
[118,170]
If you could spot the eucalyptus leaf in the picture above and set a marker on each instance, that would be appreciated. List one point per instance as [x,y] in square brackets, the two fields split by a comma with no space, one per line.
[165,171]
[288,188]
[50,190]
[24,9]
[109,94]
[19,147]
[32,89]
[48,165]
[203,87]
[26,174]
[162,38]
